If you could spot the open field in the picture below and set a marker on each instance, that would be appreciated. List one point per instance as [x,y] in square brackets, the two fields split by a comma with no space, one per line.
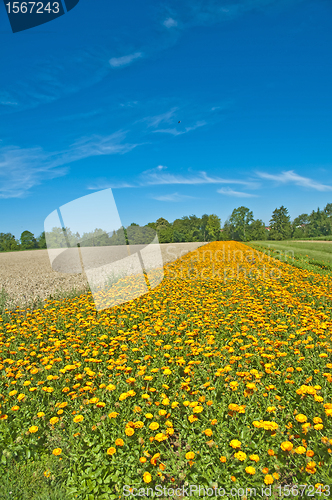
[219,377]
[307,254]
[27,277]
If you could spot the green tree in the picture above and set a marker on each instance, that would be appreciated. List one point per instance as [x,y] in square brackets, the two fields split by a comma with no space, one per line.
[280,226]
[28,241]
[239,223]
[256,231]
[299,226]
[213,227]
[8,243]
[41,240]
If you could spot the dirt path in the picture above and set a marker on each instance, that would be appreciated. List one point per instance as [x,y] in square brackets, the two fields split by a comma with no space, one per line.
[27,276]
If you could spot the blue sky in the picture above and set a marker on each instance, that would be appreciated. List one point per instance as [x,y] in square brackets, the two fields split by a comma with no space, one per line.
[92,100]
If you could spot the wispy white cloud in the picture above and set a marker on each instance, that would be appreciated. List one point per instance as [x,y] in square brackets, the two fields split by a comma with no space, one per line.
[290,177]
[174,197]
[174,131]
[23,168]
[117,62]
[237,194]
[159,176]
[170,22]
[155,120]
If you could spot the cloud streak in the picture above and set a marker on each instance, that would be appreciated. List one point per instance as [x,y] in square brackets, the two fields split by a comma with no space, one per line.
[290,177]
[237,194]
[174,197]
[23,168]
[117,62]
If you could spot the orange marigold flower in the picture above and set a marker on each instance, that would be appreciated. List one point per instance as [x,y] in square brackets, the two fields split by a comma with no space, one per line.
[111,450]
[57,451]
[223,459]
[286,446]
[268,479]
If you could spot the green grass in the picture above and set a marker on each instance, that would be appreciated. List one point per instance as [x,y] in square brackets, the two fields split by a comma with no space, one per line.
[316,257]
[28,482]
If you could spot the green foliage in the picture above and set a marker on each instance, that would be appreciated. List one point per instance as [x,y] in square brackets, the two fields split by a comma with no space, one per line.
[8,243]
[280,226]
[28,241]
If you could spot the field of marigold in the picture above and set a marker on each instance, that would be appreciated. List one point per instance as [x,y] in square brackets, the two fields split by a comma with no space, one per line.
[220,376]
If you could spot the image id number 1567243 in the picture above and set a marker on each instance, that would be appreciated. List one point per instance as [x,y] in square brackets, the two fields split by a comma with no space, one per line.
[33,7]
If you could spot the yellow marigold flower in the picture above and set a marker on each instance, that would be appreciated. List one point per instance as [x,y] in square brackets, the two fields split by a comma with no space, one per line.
[33,429]
[78,418]
[317,420]
[142,460]
[167,372]
[160,437]
[235,443]
[57,451]
[214,421]
[240,455]
[93,400]
[268,479]
[40,414]
[113,414]
[154,426]
[119,442]
[12,393]
[20,397]
[190,455]
[100,404]
[256,424]
[192,418]
[139,424]
[63,405]
[148,415]
[301,418]
[123,396]
[129,431]
[286,446]
[254,458]
[111,450]
[54,420]
[198,409]
[250,470]
[147,477]
[318,427]
[271,409]
[111,387]
[3,417]
[300,450]
[162,412]
[208,432]
[223,459]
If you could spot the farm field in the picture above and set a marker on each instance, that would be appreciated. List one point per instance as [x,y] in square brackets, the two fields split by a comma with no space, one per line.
[221,377]
[307,254]
[27,278]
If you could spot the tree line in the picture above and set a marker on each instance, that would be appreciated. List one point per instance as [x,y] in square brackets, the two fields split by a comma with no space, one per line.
[240,226]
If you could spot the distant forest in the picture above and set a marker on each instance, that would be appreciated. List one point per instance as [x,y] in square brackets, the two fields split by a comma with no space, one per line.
[240,226]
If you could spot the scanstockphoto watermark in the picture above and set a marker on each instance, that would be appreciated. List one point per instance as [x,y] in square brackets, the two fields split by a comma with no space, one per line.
[225,254]
[193,490]
[225,274]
